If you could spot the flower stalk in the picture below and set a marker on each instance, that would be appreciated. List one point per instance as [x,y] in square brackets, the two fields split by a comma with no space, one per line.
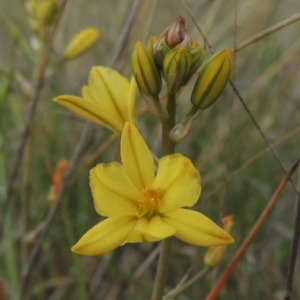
[168,147]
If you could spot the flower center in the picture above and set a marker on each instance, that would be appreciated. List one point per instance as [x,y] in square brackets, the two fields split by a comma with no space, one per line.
[149,204]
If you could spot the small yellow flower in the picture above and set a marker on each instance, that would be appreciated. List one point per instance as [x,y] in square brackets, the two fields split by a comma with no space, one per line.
[142,207]
[214,255]
[81,42]
[108,99]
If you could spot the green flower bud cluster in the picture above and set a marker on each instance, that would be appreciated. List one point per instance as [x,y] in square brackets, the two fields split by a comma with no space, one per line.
[173,56]
[42,13]
[176,55]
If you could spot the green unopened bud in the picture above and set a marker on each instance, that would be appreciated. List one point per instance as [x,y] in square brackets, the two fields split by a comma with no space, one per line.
[176,66]
[150,44]
[42,13]
[197,59]
[148,80]
[46,11]
[145,72]
[212,80]
[158,49]
[81,42]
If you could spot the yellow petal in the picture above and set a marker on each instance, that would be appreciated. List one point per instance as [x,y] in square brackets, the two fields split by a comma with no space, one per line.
[89,110]
[139,237]
[214,255]
[195,228]
[150,231]
[178,181]
[132,101]
[105,236]
[110,89]
[136,157]
[155,227]
[113,192]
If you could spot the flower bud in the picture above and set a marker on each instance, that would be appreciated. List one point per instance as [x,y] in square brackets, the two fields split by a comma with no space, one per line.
[46,11]
[81,42]
[158,49]
[184,127]
[145,72]
[57,178]
[214,255]
[177,34]
[176,66]
[148,80]
[197,59]
[41,13]
[212,80]
[173,36]
[151,43]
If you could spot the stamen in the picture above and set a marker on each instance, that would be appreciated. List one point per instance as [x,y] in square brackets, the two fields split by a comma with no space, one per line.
[149,204]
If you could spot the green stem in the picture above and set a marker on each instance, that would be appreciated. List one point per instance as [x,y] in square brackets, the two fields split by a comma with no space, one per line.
[167,144]
[168,147]
[175,292]
[71,241]
[26,205]
[162,270]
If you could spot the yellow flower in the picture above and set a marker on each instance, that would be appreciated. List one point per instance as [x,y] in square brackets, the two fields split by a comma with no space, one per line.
[214,255]
[108,99]
[142,207]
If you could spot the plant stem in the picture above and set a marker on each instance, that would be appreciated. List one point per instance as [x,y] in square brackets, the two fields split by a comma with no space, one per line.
[26,198]
[179,289]
[71,241]
[167,144]
[162,270]
[167,148]
[293,258]
[267,31]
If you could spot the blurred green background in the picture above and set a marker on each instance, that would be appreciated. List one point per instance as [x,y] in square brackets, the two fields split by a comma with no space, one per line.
[226,147]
